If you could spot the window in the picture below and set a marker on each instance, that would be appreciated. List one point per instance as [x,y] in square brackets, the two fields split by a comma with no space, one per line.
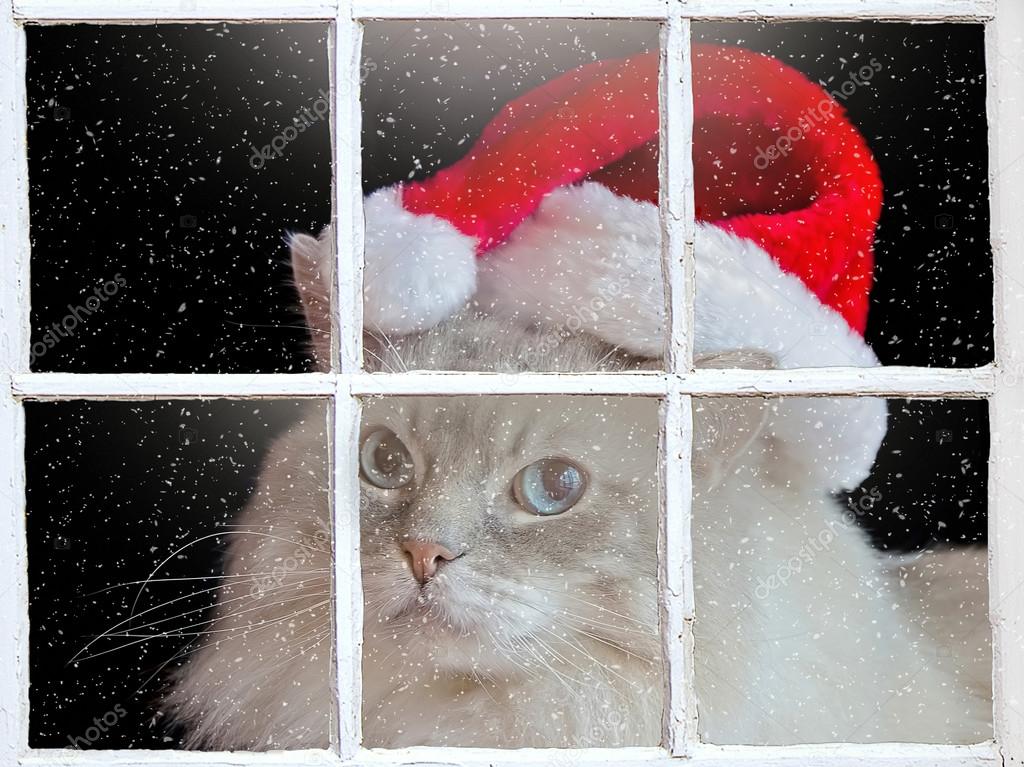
[683,387]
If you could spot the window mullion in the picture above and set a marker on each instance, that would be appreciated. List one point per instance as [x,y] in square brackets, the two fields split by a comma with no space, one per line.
[787,10]
[15,338]
[348,598]
[509,9]
[677,234]
[675,558]
[346,331]
[676,198]
[133,11]
[125,10]
[891,381]
[1006,480]
[347,196]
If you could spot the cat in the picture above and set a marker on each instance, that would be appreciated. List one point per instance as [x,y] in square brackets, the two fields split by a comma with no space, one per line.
[488,624]
[569,614]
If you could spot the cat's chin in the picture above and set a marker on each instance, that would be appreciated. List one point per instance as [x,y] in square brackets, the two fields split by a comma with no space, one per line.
[444,609]
[433,641]
[435,616]
[451,628]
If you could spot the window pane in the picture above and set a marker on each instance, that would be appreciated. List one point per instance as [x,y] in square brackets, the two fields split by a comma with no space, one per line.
[841,597]
[167,164]
[509,556]
[146,522]
[511,169]
[816,143]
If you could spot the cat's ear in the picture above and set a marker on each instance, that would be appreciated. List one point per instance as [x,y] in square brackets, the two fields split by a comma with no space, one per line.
[724,428]
[313,272]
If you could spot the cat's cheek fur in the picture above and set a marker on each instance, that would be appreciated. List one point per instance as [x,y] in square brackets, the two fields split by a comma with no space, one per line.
[261,678]
[858,668]
[313,270]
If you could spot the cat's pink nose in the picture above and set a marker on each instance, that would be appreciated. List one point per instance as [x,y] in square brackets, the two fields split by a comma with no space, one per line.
[425,558]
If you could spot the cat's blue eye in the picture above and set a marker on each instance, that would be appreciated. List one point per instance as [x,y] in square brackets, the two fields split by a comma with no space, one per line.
[384,460]
[549,486]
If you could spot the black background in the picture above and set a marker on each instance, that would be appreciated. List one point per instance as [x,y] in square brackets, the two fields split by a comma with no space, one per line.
[140,141]
[140,144]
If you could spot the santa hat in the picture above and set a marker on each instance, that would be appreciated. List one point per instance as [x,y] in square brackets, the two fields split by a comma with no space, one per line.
[552,215]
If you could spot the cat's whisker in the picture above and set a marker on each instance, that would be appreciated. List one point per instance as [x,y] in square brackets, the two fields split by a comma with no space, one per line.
[266,605]
[303,539]
[283,326]
[385,366]
[169,579]
[245,630]
[222,602]
[577,645]
[513,641]
[484,684]
[569,638]
[238,631]
[571,685]
[160,669]
[599,665]
[598,607]
[193,542]
[303,652]
[558,656]
[278,601]
[134,616]
[182,631]
[113,632]
[182,579]
[614,646]
[511,654]
[585,620]
[611,353]
[394,349]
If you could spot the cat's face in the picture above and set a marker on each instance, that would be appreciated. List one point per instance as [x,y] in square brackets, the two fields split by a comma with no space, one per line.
[545,514]
[464,571]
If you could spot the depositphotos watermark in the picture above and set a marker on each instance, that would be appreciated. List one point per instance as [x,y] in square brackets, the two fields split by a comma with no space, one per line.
[817,544]
[100,725]
[820,113]
[304,552]
[76,315]
[307,117]
[580,317]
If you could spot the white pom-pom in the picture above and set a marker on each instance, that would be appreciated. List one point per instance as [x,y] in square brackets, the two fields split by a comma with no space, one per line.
[419,269]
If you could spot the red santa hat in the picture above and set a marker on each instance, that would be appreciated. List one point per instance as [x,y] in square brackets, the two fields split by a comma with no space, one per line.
[552,216]
[776,163]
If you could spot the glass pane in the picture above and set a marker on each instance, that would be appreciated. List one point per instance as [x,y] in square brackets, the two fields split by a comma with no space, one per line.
[841,596]
[509,564]
[179,557]
[840,175]
[511,170]
[167,164]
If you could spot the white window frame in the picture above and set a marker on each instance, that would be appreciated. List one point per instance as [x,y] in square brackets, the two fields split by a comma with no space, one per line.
[1000,383]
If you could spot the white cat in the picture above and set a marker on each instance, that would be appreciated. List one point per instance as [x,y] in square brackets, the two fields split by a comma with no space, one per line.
[496,617]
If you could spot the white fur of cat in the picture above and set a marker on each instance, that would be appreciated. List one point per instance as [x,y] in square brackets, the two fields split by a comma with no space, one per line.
[544,631]
[801,635]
